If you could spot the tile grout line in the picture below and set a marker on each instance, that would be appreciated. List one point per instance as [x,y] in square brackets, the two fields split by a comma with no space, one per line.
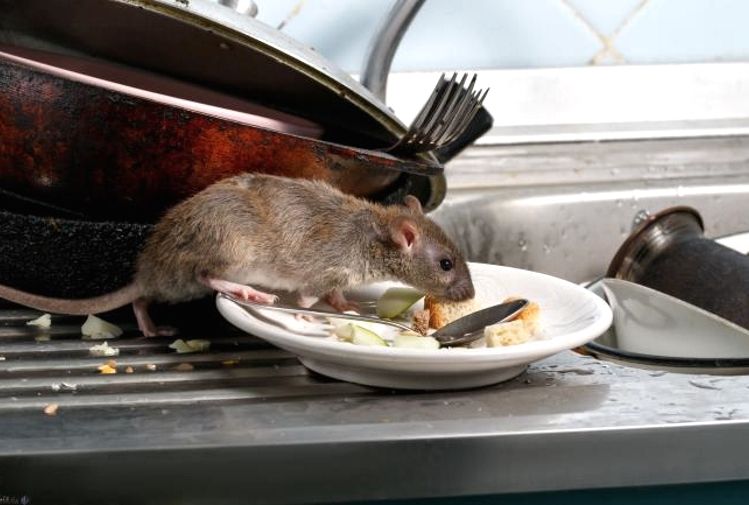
[611,49]
[607,48]
[633,14]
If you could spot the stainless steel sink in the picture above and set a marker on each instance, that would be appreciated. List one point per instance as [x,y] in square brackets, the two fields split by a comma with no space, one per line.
[564,208]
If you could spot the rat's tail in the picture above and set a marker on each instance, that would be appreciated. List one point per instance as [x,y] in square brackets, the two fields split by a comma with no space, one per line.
[73,307]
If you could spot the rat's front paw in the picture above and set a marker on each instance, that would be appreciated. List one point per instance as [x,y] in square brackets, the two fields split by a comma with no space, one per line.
[339,302]
[260,297]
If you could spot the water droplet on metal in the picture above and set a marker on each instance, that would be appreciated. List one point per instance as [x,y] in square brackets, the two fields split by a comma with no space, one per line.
[641,216]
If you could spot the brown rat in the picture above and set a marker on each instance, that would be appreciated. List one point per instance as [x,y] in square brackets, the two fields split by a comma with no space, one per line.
[278,234]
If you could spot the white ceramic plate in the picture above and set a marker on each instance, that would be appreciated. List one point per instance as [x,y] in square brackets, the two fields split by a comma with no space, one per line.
[570,316]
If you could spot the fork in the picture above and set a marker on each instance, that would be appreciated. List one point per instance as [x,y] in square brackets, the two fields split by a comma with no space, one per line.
[446,115]
[318,312]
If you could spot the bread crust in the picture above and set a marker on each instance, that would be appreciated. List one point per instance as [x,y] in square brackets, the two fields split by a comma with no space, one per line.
[442,312]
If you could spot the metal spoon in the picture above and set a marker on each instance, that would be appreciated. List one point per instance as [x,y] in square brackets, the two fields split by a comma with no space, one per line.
[471,327]
[462,331]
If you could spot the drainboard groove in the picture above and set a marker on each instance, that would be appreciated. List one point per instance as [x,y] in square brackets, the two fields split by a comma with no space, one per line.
[160,381]
[40,367]
[292,388]
[78,366]
[125,345]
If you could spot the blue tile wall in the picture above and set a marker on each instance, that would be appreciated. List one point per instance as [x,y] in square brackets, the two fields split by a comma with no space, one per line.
[449,34]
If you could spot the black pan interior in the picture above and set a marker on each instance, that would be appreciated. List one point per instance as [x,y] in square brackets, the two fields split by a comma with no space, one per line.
[69,258]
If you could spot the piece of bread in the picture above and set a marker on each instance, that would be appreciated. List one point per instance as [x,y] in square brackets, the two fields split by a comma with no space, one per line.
[521,329]
[508,333]
[529,315]
[442,312]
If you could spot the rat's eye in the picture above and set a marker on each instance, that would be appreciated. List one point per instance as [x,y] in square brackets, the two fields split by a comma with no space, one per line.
[446,264]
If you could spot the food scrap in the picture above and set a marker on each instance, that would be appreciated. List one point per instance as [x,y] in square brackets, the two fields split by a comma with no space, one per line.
[129,369]
[110,367]
[358,334]
[64,386]
[517,331]
[184,367]
[442,312]
[420,321]
[97,329]
[195,345]
[151,367]
[43,321]
[396,301]
[414,341]
[103,350]
[51,409]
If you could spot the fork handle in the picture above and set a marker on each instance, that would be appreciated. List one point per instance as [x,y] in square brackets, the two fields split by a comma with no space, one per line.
[316,312]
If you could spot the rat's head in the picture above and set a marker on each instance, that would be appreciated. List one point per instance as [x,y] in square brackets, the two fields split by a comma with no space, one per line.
[428,259]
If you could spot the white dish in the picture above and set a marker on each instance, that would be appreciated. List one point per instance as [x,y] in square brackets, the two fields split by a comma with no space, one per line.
[647,321]
[570,316]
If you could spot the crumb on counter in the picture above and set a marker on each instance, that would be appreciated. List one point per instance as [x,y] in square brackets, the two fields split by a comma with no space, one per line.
[96,328]
[187,346]
[43,321]
[110,367]
[103,349]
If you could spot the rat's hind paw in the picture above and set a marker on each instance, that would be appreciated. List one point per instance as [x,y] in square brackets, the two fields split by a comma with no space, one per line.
[166,331]
[240,291]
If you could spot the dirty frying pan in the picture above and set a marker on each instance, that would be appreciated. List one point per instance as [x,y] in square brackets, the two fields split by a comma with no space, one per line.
[110,158]
[111,111]
[113,151]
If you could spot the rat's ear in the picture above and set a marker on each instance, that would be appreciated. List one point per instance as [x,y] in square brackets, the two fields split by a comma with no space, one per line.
[404,233]
[413,203]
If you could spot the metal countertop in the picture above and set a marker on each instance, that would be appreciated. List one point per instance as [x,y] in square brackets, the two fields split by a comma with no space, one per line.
[249,423]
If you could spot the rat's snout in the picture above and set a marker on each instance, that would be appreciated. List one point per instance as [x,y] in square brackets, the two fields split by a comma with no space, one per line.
[461,291]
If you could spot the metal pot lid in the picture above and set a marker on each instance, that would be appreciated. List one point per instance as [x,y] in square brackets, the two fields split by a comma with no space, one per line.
[209,44]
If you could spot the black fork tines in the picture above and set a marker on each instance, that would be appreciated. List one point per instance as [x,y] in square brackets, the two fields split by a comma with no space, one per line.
[446,114]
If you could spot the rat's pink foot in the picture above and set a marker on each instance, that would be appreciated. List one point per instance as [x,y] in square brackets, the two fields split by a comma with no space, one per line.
[240,291]
[336,300]
[145,323]
[306,301]
[166,331]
